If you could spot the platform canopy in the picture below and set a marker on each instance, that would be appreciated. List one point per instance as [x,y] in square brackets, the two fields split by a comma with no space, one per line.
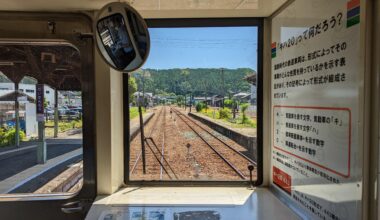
[55,64]
[12,96]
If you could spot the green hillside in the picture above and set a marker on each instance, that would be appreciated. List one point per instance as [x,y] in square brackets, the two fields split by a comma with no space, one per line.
[196,81]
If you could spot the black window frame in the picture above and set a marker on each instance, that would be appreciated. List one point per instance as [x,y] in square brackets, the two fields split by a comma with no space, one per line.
[202,22]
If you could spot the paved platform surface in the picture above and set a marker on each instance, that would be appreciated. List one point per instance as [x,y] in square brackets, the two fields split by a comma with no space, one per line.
[19,165]
[17,180]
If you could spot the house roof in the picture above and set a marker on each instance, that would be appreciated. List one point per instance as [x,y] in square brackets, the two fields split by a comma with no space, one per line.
[11,96]
[240,94]
[251,78]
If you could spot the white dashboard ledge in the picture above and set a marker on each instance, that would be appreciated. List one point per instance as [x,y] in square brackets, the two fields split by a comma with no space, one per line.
[169,203]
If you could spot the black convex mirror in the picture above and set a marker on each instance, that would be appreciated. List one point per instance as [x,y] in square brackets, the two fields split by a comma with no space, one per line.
[122,36]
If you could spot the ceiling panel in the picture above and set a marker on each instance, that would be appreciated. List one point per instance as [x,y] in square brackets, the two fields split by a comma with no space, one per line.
[157,8]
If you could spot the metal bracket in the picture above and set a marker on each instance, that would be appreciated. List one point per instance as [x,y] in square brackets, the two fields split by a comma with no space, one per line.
[83,36]
[73,207]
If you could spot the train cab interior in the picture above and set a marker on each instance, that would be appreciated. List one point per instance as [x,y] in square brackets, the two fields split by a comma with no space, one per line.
[189,109]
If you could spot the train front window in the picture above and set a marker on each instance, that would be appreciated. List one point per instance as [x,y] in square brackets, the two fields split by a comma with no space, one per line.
[40,118]
[197,94]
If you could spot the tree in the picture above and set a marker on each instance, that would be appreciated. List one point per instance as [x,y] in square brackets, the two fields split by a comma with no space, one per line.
[180,99]
[132,88]
[185,87]
[196,81]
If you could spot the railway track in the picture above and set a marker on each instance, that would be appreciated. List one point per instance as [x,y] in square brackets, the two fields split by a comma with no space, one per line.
[226,153]
[139,155]
[155,156]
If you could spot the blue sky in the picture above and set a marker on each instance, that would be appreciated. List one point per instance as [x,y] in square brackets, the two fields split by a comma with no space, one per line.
[215,47]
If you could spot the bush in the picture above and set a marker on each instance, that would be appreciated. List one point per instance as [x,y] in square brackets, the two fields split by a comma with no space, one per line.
[2,137]
[244,108]
[224,113]
[228,103]
[8,137]
[200,106]
[65,126]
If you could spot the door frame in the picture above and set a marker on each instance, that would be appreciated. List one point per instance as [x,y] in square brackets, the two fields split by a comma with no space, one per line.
[70,28]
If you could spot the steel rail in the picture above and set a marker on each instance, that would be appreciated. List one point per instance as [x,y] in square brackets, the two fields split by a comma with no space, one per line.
[227,145]
[150,134]
[157,158]
[163,141]
[237,171]
[162,157]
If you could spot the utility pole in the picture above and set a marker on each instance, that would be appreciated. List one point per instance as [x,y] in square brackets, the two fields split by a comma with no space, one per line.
[223,88]
[143,87]
[142,136]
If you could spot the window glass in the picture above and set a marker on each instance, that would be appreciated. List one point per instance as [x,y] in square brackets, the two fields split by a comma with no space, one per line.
[198,99]
[40,118]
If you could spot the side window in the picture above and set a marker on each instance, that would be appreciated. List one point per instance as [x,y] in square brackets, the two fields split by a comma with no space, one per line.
[197,94]
[40,118]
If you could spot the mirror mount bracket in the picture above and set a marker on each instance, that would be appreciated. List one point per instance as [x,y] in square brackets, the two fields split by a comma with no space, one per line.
[85,35]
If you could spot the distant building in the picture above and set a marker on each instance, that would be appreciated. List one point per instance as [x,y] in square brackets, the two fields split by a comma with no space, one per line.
[203,99]
[71,98]
[140,97]
[252,80]
[242,97]
[28,89]
[253,100]
[217,100]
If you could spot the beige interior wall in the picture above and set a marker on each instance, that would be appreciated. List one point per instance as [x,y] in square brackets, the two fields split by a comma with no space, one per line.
[117,138]
[375,129]
[372,69]
[267,95]
[109,127]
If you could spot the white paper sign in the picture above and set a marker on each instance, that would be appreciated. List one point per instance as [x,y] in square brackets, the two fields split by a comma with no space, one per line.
[317,79]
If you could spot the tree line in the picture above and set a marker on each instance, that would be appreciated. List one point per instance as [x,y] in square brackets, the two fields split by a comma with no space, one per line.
[199,82]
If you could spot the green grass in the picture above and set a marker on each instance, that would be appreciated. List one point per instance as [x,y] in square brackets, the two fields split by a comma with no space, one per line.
[235,123]
[62,126]
[134,112]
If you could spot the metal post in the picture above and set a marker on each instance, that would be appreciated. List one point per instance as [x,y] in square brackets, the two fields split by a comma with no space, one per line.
[17,115]
[223,93]
[56,113]
[234,109]
[142,138]
[206,100]
[143,87]
[41,149]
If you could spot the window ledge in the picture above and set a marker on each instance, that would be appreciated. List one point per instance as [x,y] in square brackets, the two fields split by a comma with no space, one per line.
[227,202]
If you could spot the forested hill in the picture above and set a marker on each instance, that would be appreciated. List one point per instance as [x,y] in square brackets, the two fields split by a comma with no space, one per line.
[197,81]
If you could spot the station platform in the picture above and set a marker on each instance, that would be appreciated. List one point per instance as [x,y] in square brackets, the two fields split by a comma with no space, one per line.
[11,183]
[22,174]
